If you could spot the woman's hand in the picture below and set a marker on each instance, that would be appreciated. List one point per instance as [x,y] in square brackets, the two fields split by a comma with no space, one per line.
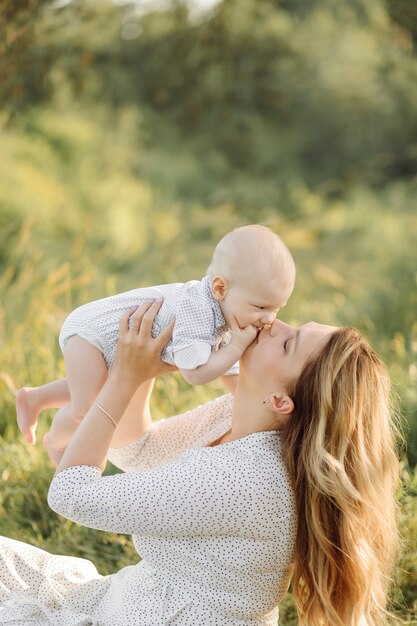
[138,358]
[138,354]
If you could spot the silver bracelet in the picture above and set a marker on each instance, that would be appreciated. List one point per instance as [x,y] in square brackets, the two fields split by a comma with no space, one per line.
[105,413]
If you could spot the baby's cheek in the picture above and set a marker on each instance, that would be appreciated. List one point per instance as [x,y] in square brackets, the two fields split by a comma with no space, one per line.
[245,319]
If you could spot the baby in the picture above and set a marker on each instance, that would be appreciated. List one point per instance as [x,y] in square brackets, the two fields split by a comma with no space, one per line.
[251,276]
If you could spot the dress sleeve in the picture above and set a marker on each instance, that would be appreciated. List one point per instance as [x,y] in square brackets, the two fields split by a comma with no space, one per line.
[168,438]
[198,495]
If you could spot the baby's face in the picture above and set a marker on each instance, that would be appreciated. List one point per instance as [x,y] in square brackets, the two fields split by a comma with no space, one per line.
[255,304]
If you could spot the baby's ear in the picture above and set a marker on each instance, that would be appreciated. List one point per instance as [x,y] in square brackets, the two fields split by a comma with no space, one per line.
[219,287]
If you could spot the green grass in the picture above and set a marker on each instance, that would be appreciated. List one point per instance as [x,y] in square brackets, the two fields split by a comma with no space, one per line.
[77,223]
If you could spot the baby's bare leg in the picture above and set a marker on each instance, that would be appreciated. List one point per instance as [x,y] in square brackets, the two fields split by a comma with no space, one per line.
[86,373]
[30,401]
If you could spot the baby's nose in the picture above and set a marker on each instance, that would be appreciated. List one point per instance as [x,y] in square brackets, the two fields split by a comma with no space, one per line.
[267,319]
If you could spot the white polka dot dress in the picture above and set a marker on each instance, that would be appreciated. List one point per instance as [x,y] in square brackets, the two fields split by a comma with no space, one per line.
[199,328]
[215,527]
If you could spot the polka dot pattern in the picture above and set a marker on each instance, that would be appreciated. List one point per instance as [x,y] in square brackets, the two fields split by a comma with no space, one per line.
[199,323]
[215,527]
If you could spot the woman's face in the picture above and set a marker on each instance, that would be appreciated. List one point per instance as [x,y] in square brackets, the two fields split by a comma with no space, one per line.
[278,354]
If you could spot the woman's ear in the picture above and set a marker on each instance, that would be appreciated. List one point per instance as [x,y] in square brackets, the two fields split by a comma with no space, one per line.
[219,287]
[279,402]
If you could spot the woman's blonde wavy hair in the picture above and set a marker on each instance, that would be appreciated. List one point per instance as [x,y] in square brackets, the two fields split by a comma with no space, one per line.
[341,451]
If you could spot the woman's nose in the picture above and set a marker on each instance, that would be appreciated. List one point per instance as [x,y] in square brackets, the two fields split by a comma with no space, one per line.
[278,326]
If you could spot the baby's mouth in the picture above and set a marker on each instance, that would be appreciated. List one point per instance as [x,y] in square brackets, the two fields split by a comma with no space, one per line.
[261,328]
[266,327]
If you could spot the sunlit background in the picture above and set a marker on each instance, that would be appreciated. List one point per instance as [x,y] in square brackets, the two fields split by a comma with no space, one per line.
[133,135]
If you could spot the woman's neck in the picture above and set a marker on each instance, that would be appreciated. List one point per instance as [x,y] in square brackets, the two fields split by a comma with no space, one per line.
[250,415]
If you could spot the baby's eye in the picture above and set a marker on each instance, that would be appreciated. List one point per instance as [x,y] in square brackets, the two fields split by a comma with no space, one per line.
[285,345]
[261,308]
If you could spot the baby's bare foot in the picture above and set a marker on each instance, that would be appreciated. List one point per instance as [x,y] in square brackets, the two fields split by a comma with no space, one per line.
[27,410]
[53,453]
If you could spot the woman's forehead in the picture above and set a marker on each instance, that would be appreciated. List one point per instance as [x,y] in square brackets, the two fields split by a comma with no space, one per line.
[318,325]
[313,334]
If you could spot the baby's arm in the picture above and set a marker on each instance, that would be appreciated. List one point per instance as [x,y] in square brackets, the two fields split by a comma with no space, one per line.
[219,362]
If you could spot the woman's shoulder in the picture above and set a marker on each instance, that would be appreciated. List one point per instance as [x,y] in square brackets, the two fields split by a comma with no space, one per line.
[220,406]
[254,470]
[206,414]
[259,456]
[205,422]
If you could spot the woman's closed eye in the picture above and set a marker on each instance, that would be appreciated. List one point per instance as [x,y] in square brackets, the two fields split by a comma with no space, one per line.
[297,339]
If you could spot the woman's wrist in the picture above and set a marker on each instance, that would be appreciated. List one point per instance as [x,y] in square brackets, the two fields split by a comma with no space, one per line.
[123,383]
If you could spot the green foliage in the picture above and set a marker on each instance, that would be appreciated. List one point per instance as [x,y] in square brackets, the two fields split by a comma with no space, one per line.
[405,593]
[405,14]
[322,90]
[325,89]
[24,64]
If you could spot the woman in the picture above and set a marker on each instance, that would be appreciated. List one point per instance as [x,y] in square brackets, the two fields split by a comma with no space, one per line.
[295,477]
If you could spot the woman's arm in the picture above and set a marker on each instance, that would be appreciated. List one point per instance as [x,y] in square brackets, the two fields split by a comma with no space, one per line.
[136,419]
[168,438]
[137,360]
[197,495]
[206,492]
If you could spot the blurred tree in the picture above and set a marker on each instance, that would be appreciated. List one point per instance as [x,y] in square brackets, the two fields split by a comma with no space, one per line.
[24,63]
[279,88]
[326,90]
[404,12]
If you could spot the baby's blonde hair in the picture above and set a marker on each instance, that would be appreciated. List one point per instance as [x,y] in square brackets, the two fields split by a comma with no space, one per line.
[252,252]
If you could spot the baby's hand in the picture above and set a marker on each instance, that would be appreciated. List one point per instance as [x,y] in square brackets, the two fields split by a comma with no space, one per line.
[241,337]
